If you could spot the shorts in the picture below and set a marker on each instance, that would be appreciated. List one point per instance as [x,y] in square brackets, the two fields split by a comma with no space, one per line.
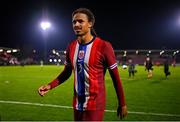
[89,115]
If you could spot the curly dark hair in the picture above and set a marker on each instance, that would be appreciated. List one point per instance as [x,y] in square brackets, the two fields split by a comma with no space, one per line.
[90,16]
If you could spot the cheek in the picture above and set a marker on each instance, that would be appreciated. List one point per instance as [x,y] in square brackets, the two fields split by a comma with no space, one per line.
[86,26]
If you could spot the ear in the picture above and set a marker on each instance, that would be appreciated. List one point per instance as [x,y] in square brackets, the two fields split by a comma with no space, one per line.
[90,24]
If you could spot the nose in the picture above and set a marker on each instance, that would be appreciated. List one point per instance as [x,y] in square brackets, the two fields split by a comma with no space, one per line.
[76,24]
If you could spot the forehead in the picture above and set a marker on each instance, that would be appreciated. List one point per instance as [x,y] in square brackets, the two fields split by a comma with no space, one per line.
[80,16]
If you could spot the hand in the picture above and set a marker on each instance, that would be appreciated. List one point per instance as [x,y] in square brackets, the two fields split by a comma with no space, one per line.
[44,89]
[122,112]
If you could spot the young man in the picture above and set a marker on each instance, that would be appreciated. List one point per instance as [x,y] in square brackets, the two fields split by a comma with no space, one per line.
[88,57]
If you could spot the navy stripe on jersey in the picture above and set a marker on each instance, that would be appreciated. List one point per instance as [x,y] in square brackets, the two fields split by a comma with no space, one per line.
[81,75]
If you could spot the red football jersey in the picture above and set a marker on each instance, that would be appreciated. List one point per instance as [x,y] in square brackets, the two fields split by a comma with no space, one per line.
[89,63]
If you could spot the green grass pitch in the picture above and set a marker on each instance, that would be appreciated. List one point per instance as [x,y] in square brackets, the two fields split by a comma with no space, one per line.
[153,99]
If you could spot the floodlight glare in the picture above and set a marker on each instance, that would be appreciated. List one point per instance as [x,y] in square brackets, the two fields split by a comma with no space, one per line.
[8,51]
[14,50]
[45,25]
[34,51]
[55,60]
[57,53]
[1,50]
[137,51]
[50,60]
[53,51]
[161,52]
[59,60]
[174,53]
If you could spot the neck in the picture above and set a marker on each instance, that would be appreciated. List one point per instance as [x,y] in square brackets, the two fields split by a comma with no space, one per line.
[85,38]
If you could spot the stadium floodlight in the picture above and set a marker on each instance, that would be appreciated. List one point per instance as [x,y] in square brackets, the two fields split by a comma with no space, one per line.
[64,52]
[161,52]
[53,51]
[149,51]
[8,51]
[137,51]
[55,60]
[14,50]
[50,60]
[57,54]
[59,60]
[177,51]
[1,50]
[174,53]
[45,25]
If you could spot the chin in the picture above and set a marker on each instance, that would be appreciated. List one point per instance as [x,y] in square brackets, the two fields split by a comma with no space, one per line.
[79,34]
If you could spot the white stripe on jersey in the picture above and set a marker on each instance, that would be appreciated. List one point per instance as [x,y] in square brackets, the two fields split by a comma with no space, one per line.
[86,71]
[113,66]
[75,69]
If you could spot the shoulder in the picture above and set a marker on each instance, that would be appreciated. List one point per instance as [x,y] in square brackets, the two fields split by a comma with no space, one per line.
[72,44]
[105,43]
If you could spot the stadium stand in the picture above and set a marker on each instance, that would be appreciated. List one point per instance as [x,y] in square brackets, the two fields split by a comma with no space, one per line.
[8,56]
[139,56]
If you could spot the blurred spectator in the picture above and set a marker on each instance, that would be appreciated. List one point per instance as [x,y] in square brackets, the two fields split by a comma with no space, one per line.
[131,68]
[148,66]
[166,67]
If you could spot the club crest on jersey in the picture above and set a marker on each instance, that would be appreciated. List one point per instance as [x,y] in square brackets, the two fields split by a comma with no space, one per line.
[81,54]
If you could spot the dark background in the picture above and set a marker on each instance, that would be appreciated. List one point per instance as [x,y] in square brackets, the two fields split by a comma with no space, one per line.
[148,24]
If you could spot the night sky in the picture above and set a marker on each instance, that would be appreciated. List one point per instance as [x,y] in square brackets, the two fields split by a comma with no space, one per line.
[151,24]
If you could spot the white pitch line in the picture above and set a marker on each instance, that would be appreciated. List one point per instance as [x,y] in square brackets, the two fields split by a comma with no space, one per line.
[68,107]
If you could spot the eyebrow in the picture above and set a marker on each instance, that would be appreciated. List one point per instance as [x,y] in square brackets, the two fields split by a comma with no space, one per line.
[81,20]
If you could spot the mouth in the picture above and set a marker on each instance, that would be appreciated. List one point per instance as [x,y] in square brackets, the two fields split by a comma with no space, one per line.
[77,29]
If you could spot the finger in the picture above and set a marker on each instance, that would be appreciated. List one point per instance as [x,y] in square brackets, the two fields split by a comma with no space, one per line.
[40,91]
[124,114]
[41,88]
[44,92]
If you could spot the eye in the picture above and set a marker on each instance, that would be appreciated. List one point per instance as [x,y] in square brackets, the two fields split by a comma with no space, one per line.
[74,22]
[80,21]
